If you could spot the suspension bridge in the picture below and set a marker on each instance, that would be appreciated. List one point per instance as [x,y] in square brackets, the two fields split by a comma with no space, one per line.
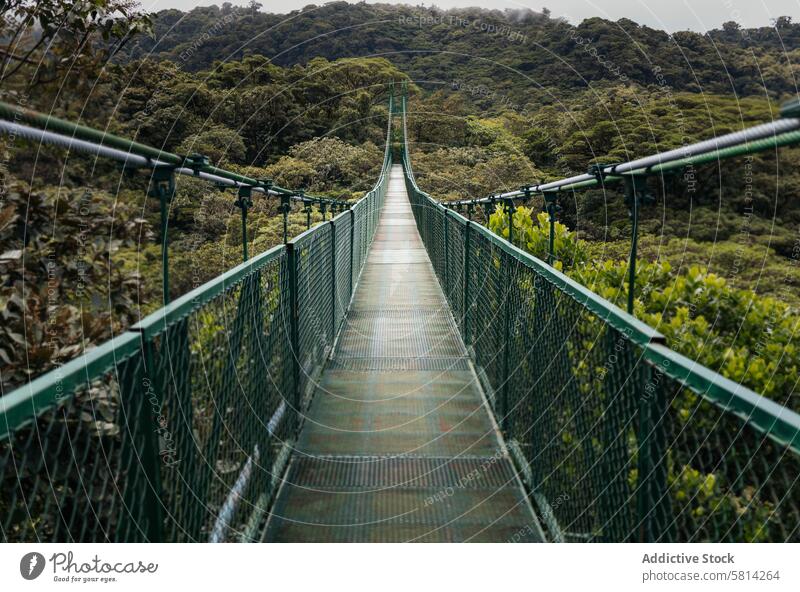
[396,373]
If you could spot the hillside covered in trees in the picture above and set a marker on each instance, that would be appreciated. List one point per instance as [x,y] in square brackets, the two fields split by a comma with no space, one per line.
[510,51]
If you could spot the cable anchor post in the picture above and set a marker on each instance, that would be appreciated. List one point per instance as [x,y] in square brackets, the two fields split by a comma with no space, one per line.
[196,162]
[599,172]
[552,208]
[527,193]
[488,209]
[162,187]
[307,203]
[244,201]
[286,207]
[265,185]
[510,209]
[637,194]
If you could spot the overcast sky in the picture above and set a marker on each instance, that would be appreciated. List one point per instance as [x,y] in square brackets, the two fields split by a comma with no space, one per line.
[671,15]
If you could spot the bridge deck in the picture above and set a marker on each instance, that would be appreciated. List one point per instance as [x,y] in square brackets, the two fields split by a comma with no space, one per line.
[398,444]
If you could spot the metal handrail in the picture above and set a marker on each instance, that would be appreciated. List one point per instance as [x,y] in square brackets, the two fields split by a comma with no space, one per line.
[47,129]
[783,132]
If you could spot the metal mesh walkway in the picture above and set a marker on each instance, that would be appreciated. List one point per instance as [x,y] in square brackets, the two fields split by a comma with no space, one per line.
[398,444]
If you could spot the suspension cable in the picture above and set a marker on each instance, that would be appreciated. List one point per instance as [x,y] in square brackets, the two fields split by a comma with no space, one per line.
[762,137]
[91,141]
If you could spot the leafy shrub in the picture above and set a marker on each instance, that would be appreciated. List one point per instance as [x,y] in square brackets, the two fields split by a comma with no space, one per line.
[64,285]
[328,165]
[534,237]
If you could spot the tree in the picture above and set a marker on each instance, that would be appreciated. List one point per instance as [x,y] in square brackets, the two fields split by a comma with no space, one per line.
[63,285]
[782,22]
[220,144]
[45,39]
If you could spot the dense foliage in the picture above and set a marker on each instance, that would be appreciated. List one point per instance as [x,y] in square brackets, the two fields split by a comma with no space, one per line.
[512,51]
[737,218]
[64,41]
[747,338]
[64,285]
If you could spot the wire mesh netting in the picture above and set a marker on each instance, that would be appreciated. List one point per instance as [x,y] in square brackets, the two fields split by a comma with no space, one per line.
[359,241]
[152,447]
[60,474]
[454,267]
[225,374]
[344,273]
[314,260]
[727,481]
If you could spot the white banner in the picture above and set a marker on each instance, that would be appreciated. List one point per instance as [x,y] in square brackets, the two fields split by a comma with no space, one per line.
[399,567]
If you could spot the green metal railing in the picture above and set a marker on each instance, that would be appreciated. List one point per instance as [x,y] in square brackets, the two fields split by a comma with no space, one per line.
[179,429]
[618,437]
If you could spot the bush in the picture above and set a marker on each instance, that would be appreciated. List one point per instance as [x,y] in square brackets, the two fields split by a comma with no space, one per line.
[745,337]
[328,165]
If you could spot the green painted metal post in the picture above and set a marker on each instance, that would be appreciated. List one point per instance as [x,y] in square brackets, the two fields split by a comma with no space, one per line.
[612,522]
[509,207]
[506,279]
[352,243]
[663,523]
[633,254]
[294,333]
[333,281]
[527,193]
[164,206]
[551,206]
[244,202]
[446,256]
[162,187]
[467,304]
[286,206]
[653,506]
[323,207]
[308,216]
[510,210]
[636,195]
[150,461]
[644,467]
